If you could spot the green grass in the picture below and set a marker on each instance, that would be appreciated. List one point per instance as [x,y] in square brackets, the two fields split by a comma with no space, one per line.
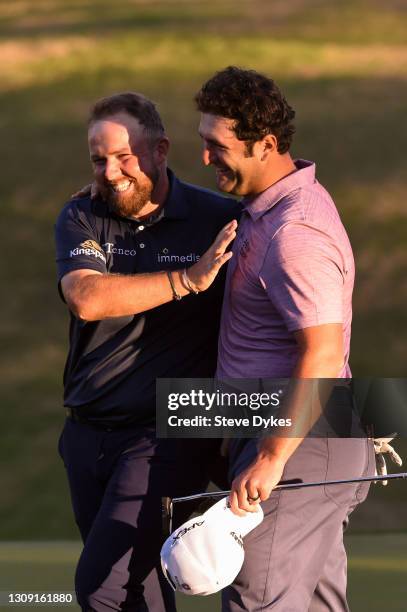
[377,572]
[342,66]
[353,22]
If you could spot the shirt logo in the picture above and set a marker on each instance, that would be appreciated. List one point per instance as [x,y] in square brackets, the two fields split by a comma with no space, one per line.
[185,530]
[89,247]
[190,258]
[237,538]
[245,248]
[111,249]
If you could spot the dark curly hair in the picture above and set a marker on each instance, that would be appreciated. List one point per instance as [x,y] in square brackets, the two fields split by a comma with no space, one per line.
[255,103]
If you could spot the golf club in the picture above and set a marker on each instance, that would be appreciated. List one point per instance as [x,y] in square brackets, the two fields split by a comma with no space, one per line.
[297,483]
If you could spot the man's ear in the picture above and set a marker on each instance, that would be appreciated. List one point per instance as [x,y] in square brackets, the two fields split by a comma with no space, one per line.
[161,149]
[268,145]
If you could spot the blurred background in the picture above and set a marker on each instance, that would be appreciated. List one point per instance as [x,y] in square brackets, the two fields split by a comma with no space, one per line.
[343,67]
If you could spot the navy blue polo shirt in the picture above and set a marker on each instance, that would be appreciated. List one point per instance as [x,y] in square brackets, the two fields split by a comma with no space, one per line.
[112,364]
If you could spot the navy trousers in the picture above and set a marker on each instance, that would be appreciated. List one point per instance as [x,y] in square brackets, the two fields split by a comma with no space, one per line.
[117,479]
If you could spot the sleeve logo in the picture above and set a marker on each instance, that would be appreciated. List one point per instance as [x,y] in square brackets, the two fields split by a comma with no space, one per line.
[88,248]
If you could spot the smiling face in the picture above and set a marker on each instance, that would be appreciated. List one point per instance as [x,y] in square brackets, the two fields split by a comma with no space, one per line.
[126,164]
[237,171]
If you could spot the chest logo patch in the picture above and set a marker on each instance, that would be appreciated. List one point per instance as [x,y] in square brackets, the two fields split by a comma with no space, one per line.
[167,258]
[111,249]
[245,248]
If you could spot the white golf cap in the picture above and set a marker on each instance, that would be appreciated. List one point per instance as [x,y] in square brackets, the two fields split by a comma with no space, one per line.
[206,553]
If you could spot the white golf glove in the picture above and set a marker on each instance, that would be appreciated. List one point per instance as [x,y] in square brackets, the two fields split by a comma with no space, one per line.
[382,446]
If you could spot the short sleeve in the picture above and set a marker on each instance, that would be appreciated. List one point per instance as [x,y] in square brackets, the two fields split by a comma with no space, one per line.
[77,243]
[303,275]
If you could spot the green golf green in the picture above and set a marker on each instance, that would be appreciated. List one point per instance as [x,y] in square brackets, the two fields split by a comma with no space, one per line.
[377,572]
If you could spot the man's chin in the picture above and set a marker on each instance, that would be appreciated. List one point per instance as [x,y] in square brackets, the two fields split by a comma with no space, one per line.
[125,208]
[225,184]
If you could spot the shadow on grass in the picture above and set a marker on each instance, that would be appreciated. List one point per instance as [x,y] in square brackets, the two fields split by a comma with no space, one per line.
[376,577]
[311,20]
[101,17]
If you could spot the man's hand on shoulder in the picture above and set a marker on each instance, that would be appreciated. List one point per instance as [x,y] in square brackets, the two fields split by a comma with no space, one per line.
[88,190]
[93,296]
[203,273]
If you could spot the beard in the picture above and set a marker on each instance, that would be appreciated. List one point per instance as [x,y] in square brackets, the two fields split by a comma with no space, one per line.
[131,202]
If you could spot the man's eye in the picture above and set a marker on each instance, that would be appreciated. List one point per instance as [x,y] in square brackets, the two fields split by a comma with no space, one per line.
[98,161]
[125,156]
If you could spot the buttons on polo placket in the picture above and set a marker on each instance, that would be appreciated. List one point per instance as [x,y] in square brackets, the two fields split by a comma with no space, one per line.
[140,228]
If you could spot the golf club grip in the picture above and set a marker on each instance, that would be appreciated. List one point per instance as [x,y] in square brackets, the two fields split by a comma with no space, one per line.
[166,514]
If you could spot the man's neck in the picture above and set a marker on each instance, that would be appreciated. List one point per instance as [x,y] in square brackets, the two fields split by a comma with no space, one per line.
[280,167]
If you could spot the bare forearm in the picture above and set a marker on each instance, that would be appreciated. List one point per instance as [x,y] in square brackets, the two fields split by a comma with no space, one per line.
[302,404]
[92,296]
[101,296]
[320,362]
[308,392]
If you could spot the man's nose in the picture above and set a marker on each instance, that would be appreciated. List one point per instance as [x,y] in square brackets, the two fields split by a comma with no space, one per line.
[205,155]
[112,169]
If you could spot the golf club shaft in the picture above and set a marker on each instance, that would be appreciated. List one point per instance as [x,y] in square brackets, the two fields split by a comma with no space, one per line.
[168,503]
[296,485]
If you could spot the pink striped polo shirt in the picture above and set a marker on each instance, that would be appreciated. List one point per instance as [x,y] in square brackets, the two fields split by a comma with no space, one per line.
[292,268]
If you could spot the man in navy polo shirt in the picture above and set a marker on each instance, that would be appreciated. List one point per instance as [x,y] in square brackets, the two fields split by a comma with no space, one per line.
[133,267]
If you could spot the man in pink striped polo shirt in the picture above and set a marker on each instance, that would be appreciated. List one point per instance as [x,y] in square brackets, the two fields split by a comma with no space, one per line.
[287,313]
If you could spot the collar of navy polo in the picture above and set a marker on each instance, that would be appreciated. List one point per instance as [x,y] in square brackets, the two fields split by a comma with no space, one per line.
[175,206]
